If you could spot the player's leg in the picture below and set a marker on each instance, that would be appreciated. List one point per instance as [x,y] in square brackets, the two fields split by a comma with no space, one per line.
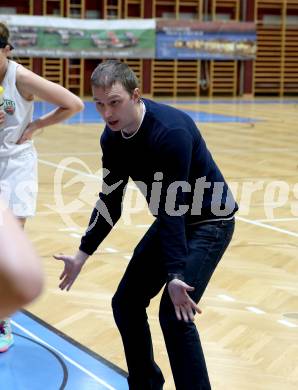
[143,279]
[206,245]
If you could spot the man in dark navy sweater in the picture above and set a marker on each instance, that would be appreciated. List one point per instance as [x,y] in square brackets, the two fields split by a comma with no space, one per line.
[163,152]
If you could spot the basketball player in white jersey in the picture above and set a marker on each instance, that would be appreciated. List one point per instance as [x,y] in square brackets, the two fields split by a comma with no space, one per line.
[20,281]
[18,160]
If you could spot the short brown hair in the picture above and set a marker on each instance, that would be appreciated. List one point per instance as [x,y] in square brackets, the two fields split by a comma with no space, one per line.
[109,72]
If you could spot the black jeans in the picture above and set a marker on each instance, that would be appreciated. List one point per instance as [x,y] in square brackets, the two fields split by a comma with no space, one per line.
[142,280]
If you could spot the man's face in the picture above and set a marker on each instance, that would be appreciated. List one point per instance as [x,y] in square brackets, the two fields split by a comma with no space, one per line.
[118,109]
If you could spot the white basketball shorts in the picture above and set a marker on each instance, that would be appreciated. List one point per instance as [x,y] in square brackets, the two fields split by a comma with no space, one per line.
[19,182]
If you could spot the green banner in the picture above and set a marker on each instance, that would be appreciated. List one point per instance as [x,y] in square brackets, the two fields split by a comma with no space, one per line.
[41,36]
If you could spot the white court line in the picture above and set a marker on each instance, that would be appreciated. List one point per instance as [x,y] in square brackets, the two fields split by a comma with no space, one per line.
[87,372]
[133,186]
[68,229]
[69,154]
[98,178]
[287,323]
[264,225]
[255,310]
[111,250]
[61,212]
[68,169]
[277,220]
[226,297]
[75,235]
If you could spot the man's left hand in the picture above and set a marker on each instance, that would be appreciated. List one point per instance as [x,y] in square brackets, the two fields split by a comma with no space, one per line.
[185,307]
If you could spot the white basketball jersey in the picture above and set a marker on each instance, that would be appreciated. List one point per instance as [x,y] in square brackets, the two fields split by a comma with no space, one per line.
[19,113]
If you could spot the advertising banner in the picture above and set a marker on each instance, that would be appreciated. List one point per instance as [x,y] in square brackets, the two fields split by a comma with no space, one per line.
[42,36]
[183,39]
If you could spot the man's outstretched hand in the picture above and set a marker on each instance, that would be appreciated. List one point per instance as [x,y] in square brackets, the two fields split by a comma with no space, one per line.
[72,268]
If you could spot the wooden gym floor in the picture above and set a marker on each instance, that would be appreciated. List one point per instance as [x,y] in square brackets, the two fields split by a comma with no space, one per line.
[249,325]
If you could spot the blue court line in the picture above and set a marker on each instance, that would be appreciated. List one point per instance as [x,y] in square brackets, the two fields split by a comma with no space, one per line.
[90,115]
[230,101]
[206,117]
[46,358]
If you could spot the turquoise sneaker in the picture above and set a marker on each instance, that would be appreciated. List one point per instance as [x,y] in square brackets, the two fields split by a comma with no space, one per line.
[6,337]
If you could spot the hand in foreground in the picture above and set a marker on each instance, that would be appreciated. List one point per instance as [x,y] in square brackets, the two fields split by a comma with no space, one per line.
[72,268]
[184,305]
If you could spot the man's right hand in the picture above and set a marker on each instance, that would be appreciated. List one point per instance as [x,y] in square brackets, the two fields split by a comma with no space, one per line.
[72,268]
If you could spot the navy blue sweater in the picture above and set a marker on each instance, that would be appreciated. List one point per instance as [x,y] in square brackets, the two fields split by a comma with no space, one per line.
[170,163]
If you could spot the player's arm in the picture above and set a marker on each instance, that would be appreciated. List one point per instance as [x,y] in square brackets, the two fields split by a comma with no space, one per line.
[176,148]
[30,85]
[105,215]
[21,277]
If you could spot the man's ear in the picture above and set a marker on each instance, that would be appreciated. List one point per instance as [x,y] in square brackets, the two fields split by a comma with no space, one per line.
[136,95]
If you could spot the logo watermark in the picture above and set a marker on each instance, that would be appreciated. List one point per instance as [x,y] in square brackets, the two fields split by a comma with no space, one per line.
[136,197]
[77,190]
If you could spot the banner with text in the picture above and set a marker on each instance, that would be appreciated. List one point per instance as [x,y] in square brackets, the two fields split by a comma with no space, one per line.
[182,39]
[42,36]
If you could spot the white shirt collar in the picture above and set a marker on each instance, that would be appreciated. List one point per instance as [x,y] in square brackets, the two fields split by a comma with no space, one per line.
[143,115]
